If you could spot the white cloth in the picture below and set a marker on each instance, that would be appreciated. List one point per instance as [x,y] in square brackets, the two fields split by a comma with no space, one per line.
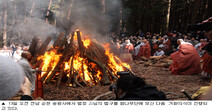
[161,45]
[137,48]
[157,53]
[198,45]
[6,53]
[17,55]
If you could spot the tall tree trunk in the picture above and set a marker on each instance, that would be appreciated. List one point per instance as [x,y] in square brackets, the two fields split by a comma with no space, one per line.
[103,7]
[5,25]
[14,13]
[168,16]
[69,11]
[49,7]
[33,5]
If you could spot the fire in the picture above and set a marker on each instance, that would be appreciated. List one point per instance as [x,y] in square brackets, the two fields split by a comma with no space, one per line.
[86,42]
[50,60]
[114,65]
[82,68]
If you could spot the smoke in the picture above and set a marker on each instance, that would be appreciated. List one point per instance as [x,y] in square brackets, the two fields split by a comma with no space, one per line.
[26,17]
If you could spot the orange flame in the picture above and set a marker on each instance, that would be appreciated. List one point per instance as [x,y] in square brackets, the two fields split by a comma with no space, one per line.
[114,65]
[50,60]
[80,64]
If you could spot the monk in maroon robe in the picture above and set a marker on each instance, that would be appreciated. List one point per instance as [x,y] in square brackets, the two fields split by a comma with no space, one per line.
[207,64]
[186,60]
[154,48]
[144,51]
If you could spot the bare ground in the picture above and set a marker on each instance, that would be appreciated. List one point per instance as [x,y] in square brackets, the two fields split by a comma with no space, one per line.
[157,76]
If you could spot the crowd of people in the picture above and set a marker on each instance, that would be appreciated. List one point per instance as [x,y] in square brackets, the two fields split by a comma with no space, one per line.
[186,51]
[13,51]
[159,44]
[172,44]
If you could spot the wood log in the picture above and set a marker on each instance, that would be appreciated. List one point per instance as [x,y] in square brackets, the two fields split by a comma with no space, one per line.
[42,49]
[72,59]
[60,75]
[33,45]
[65,52]
[105,78]
[58,40]
[105,94]
[81,78]
[44,46]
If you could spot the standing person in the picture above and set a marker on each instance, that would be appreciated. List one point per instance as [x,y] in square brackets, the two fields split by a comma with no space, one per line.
[28,71]
[5,52]
[126,51]
[186,60]
[17,54]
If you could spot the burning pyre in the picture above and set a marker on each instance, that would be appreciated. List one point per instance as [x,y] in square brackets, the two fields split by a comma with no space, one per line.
[80,61]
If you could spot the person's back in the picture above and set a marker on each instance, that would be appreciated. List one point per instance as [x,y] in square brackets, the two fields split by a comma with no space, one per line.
[131,87]
[27,69]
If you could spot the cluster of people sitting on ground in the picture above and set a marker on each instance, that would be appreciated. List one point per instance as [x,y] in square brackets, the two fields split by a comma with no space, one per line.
[186,51]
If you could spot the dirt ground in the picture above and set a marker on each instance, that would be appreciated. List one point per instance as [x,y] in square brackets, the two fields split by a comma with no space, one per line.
[157,76]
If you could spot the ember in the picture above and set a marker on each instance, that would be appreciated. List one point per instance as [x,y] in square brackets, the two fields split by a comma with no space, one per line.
[81,62]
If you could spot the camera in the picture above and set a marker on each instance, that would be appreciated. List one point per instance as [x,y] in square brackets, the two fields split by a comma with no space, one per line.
[200,27]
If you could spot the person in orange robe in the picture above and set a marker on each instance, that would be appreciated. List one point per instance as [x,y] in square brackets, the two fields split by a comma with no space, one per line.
[144,51]
[186,60]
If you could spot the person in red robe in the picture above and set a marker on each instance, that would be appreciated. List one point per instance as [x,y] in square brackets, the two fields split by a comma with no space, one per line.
[186,60]
[154,47]
[207,64]
[144,51]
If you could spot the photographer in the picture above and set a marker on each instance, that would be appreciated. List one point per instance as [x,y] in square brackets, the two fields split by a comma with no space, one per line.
[12,80]
[131,87]
[207,58]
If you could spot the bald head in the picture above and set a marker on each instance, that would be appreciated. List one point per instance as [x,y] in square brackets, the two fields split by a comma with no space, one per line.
[26,55]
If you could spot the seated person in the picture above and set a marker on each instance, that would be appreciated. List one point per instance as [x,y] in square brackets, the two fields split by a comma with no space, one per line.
[186,60]
[159,52]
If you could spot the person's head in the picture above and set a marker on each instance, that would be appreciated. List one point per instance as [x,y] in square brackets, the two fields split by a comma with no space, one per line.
[12,76]
[128,82]
[179,41]
[164,42]
[205,40]
[165,37]
[154,37]
[201,40]
[154,42]
[159,49]
[193,39]
[4,47]
[145,41]
[127,41]
[27,55]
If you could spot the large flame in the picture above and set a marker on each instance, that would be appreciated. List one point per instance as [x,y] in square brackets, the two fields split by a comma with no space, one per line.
[81,66]
[114,62]
[50,60]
